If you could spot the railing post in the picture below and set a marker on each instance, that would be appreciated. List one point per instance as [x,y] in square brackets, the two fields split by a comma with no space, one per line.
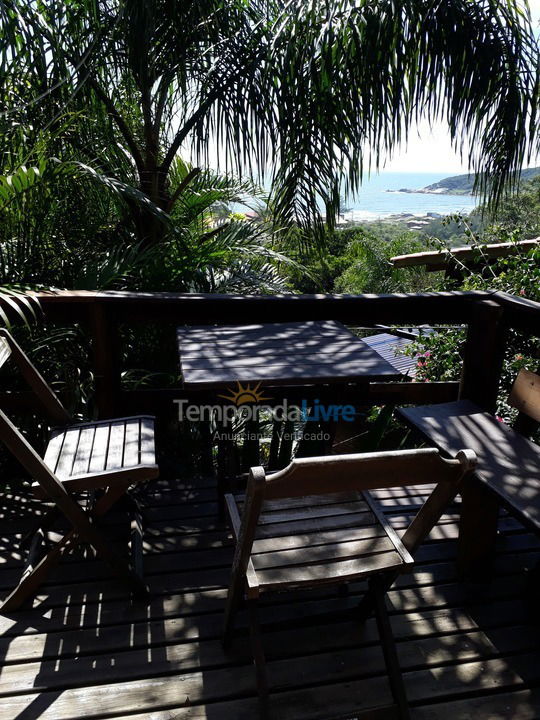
[106,359]
[482,366]
[483,355]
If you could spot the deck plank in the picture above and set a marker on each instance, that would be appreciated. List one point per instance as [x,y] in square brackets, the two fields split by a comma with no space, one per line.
[466,648]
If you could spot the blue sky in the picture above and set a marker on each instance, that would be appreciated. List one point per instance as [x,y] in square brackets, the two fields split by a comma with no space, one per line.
[430,149]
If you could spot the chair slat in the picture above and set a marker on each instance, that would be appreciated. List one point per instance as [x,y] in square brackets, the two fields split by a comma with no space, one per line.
[366,471]
[309,511]
[54,449]
[81,463]
[147,453]
[287,503]
[327,572]
[313,539]
[66,459]
[322,553]
[100,448]
[132,443]
[115,452]
[315,524]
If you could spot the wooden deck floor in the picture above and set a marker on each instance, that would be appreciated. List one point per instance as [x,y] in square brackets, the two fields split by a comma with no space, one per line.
[467,650]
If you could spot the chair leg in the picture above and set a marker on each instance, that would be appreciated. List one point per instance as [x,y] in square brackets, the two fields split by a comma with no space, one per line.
[221,490]
[258,658]
[377,590]
[34,576]
[137,544]
[234,597]
[366,606]
[121,568]
[227,468]
[42,524]
[479,519]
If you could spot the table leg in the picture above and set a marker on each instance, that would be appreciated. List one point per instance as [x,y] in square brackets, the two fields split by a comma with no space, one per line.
[286,444]
[477,528]
[251,449]
[227,470]
[273,457]
[207,461]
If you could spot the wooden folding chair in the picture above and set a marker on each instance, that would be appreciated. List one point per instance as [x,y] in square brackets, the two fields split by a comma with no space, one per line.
[108,456]
[315,523]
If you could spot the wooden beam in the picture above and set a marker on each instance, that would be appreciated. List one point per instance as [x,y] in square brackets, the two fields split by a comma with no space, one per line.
[379,393]
[440,259]
[207,309]
[520,313]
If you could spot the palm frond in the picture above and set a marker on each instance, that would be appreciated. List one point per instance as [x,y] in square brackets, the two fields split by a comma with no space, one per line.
[19,304]
[308,94]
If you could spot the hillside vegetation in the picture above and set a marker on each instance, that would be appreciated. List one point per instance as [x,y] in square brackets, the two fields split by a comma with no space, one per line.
[464,184]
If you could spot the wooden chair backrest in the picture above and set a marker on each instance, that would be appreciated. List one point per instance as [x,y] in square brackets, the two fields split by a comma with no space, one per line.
[358,471]
[361,472]
[525,394]
[46,397]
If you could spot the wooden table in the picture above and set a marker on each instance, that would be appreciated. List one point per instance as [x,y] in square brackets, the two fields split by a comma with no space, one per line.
[296,357]
[508,471]
[280,354]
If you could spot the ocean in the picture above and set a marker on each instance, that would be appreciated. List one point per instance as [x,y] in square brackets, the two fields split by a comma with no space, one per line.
[373,202]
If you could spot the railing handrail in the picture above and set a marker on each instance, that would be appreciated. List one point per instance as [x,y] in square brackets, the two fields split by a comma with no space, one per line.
[195,309]
[488,315]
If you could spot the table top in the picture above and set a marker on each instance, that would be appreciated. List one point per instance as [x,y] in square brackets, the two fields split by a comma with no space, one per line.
[296,353]
[507,462]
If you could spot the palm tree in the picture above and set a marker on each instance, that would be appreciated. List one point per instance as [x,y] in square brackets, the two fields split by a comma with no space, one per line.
[307,92]
[57,220]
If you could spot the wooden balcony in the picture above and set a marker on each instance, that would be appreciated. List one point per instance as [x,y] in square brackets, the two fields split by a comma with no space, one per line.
[468,648]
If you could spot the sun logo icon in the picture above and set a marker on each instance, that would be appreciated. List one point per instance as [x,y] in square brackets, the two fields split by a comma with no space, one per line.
[246,394]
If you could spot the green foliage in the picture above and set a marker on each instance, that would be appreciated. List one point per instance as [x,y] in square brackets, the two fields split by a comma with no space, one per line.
[450,231]
[438,356]
[313,93]
[517,274]
[357,260]
[320,265]
[369,269]
[66,225]
[519,214]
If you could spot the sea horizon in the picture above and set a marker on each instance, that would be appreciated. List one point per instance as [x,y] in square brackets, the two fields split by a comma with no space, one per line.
[373,201]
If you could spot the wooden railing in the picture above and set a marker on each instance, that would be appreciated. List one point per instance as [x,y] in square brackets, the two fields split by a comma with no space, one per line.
[488,316]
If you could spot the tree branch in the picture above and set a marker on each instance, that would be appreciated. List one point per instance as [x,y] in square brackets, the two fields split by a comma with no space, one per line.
[120,122]
[179,190]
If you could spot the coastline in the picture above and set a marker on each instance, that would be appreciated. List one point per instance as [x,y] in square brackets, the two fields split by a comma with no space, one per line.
[412,221]
[427,191]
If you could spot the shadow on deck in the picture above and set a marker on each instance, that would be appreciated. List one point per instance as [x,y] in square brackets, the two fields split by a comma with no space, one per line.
[467,649]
